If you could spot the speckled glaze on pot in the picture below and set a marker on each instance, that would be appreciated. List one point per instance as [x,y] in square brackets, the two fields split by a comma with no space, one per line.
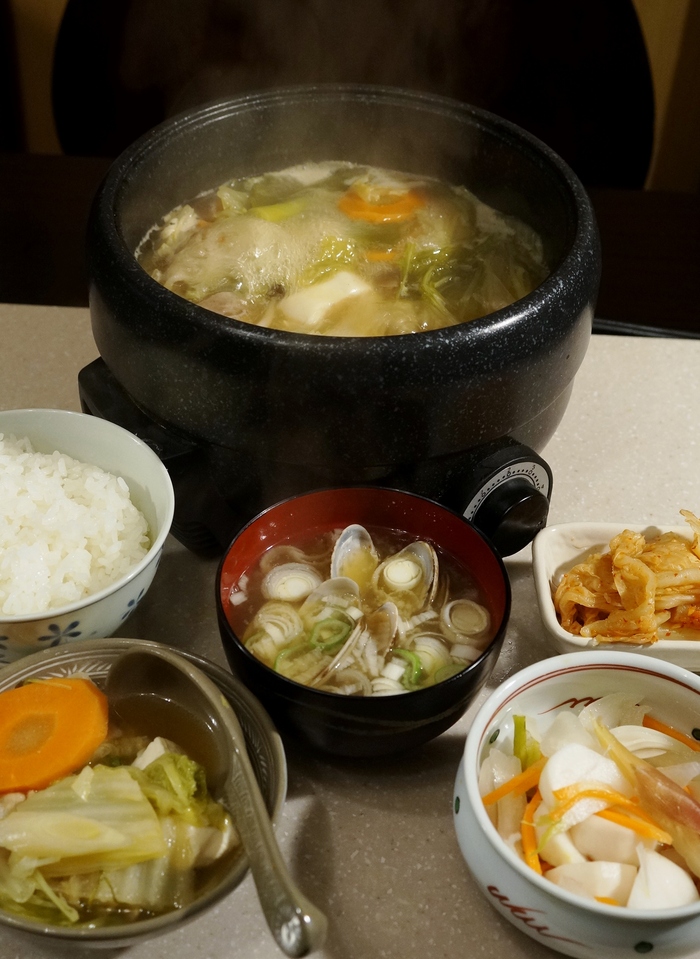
[348,408]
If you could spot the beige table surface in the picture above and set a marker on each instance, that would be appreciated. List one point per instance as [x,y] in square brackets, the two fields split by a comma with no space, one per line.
[372,843]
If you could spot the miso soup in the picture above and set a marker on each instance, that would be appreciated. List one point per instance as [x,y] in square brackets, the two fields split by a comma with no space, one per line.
[342,249]
[362,613]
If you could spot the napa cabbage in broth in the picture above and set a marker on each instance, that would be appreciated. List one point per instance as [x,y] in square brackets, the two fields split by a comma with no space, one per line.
[132,834]
[345,250]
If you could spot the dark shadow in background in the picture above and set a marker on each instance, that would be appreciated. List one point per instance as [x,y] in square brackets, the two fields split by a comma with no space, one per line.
[575,74]
[11,128]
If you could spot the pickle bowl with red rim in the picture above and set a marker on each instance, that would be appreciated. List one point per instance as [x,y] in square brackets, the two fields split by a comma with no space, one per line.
[554,904]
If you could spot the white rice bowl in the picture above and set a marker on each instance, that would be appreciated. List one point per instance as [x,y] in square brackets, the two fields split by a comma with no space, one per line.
[67,529]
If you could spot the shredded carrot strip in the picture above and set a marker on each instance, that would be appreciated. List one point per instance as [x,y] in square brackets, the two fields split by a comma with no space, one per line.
[48,730]
[528,834]
[517,785]
[660,727]
[608,901]
[641,826]
[570,795]
[395,211]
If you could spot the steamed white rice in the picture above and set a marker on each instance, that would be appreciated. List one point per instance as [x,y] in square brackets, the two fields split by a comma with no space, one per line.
[67,529]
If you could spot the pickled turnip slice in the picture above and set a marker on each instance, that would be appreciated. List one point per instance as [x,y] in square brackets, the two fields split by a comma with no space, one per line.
[660,883]
[672,808]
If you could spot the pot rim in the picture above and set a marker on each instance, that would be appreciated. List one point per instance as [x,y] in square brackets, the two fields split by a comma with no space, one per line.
[585,242]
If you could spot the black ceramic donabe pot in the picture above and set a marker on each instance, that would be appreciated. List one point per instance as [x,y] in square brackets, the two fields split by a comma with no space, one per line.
[277,413]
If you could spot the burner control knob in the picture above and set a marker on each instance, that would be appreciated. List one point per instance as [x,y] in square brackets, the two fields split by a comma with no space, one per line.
[511,514]
[509,497]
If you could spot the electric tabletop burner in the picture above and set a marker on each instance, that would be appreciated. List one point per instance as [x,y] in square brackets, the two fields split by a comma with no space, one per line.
[502,486]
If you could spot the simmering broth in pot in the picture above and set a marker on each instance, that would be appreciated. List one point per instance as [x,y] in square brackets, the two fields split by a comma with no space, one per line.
[342,249]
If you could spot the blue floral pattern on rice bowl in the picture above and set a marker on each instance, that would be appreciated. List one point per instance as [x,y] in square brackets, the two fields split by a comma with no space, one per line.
[99,619]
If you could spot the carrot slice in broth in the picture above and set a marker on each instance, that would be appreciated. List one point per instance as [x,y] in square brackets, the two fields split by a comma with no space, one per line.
[49,729]
[394,210]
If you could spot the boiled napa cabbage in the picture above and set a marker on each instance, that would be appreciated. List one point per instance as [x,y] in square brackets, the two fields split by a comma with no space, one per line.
[113,837]
[175,784]
[106,821]
[159,884]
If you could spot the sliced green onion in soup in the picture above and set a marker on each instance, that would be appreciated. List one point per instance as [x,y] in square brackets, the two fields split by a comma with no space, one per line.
[289,653]
[414,668]
[253,638]
[447,672]
[329,634]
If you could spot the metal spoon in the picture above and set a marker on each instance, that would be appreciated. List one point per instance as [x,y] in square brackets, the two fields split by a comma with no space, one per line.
[296,924]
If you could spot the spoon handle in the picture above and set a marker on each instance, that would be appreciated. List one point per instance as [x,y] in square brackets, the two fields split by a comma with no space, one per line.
[296,924]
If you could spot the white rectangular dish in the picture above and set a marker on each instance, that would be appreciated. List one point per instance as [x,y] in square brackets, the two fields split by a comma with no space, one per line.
[556,549]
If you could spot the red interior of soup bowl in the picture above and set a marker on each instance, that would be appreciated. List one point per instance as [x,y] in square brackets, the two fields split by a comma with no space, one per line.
[300,518]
